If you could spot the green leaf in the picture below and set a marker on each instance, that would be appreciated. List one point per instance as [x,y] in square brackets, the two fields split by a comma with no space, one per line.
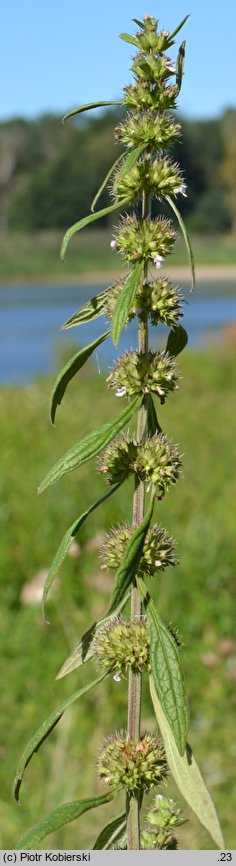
[139,23]
[61,816]
[153,425]
[111,833]
[185,236]
[89,447]
[129,564]
[65,544]
[166,671]
[106,179]
[70,370]
[91,310]
[132,39]
[177,340]
[85,649]
[86,221]
[131,159]
[172,35]
[88,108]
[180,65]
[187,775]
[124,302]
[45,729]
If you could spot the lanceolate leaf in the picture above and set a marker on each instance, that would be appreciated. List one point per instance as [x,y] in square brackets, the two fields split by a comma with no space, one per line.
[187,775]
[167,672]
[129,564]
[89,447]
[124,302]
[180,65]
[153,425]
[61,816]
[177,340]
[66,543]
[185,236]
[85,649]
[172,35]
[91,310]
[132,39]
[45,729]
[106,179]
[86,221]
[88,107]
[70,370]
[131,159]
[111,833]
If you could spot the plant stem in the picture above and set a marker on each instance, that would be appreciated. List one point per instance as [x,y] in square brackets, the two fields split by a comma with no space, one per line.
[135,679]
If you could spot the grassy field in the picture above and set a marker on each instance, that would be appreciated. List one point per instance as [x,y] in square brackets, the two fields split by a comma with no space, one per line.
[197,595]
[37,256]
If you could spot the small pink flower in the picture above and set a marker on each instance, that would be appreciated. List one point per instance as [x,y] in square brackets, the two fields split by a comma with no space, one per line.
[158,261]
[113,245]
[182,190]
[117,678]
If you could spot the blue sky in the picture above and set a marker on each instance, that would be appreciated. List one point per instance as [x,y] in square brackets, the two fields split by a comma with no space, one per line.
[56,55]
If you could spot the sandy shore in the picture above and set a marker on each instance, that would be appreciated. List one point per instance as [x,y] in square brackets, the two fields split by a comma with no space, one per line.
[176,273]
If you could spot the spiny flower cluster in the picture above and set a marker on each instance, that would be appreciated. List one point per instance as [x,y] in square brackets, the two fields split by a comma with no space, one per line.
[157,553]
[157,298]
[141,96]
[158,177]
[137,373]
[121,645]
[153,131]
[155,461]
[133,766]
[162,820]
[148,240]
[152,69]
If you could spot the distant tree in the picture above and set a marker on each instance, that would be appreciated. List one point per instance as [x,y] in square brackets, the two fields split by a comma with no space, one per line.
[227,170]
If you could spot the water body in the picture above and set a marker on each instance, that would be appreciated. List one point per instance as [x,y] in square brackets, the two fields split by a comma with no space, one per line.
[31,317]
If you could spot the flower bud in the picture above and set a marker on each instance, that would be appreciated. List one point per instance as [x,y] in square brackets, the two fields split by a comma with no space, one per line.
[160,177]
[133,766]
[138,372]
[146,240]
[157,553]
[162,819]
[121,645]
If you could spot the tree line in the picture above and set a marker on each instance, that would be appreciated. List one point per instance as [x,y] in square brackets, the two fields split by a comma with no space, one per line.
[49,173]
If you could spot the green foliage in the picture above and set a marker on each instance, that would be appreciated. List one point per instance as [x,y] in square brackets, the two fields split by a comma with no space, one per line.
[61,816]
[129,564]
[70,370]
[43,732]
[111,833]
[125,301]
[88,447]
[187,775]
[167,672]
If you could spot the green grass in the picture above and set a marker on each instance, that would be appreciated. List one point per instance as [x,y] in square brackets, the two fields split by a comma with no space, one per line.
[197,595]
[37,256]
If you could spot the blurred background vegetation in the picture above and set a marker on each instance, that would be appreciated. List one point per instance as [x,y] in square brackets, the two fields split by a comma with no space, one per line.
[45,187]
[48,177]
